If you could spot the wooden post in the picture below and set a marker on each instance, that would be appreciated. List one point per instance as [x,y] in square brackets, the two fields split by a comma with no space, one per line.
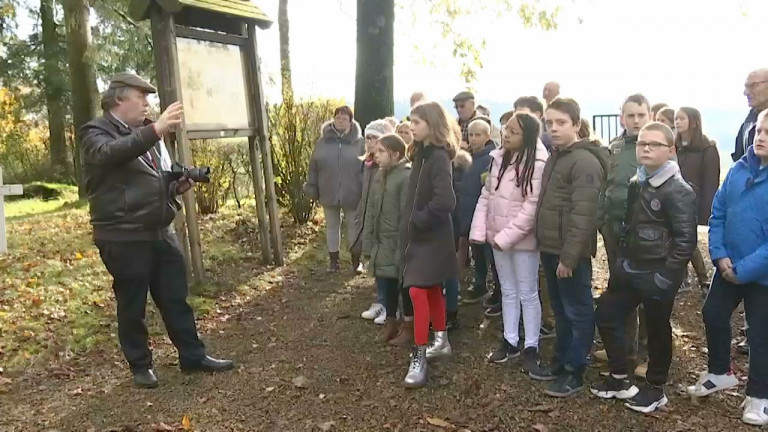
[266,152]
[251,76]
[167,60]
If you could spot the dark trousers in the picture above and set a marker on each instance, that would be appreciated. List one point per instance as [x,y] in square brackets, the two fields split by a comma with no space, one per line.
[572,304]
[625,292]
[156,267]
[635,334]
[723,298]
[391,289]
[483,257]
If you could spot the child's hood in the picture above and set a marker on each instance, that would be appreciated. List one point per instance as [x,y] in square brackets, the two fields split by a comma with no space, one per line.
[463,159]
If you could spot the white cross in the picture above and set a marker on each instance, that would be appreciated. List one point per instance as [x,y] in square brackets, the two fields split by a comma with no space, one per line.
[6,190]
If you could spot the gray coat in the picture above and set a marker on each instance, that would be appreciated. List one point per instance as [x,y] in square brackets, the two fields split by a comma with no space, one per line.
[335,176]
[426,229]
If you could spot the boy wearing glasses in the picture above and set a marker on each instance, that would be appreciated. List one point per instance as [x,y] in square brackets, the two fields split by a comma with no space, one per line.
[655,247]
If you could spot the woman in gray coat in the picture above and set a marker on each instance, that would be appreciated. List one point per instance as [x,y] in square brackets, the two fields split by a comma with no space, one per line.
[336,176]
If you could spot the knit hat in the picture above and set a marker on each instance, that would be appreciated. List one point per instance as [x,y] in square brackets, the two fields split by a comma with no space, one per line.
[378,128]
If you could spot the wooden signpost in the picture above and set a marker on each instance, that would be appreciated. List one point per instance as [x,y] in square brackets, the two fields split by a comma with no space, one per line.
[4,191]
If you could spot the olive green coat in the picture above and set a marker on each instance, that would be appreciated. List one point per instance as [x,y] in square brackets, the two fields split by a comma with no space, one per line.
[383,214]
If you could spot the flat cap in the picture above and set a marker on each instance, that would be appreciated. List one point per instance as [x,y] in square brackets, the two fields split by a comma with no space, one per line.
[463,96]
[125,79]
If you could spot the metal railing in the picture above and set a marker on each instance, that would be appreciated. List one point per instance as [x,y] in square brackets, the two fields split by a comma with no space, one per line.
[606,126]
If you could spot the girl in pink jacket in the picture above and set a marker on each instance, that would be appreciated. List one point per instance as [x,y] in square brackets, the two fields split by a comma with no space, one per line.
[504,218]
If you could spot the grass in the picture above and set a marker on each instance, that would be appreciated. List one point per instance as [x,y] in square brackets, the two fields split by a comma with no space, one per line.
[56,298]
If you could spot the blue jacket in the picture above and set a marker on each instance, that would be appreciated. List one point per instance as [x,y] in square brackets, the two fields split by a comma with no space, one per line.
[472,185]
[746,135]
[738,227]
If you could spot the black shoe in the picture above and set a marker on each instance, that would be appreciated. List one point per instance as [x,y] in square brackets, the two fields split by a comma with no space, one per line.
[474,296]
[567,384]
[209,364]
[493,311]
[743,347]
[547,331]
[505,352]
[532,362]
[145,378]
[334,265]
[648,399]
[452,321]
[546,373]
[612,387]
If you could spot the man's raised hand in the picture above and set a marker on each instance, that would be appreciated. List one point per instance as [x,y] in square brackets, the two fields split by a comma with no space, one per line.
[171,117]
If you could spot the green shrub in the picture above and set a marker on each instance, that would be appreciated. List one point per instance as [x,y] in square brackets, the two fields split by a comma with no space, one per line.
[294,128]
[230,171]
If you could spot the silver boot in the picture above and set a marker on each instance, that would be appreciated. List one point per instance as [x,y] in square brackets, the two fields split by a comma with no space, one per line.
[417,371]
[440,347]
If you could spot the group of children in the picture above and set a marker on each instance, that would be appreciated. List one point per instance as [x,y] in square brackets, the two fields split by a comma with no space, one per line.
[530,207]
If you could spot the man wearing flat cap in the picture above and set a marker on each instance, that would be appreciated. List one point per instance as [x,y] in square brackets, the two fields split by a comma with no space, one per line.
[133,203]
[464,102]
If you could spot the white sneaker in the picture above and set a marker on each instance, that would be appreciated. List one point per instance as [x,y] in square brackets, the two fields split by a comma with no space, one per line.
[372,311]
[755,411]
[381,318]
[710,383]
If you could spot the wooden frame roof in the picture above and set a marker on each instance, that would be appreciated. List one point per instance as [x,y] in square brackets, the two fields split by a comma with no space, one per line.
[242,9]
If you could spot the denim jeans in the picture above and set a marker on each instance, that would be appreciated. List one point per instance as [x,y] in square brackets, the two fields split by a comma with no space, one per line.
[390,288]
[723,298]
[451,287]
[572,305]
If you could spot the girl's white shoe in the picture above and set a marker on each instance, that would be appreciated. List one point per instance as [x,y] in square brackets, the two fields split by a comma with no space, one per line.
[755,411]
[373,311]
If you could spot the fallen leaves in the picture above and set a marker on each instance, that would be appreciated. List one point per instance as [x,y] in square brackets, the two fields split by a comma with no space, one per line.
[186,424]
[300,382]
[540,427]
[434,421]
[325,427]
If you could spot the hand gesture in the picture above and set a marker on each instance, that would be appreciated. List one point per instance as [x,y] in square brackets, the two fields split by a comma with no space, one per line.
[171,117]
[563,271]
[724,264]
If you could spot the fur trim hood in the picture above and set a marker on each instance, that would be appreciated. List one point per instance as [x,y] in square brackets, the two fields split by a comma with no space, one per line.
[463,159]
[354,132]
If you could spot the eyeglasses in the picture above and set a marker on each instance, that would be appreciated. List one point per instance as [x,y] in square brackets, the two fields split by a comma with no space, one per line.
[753,85]
[653,145]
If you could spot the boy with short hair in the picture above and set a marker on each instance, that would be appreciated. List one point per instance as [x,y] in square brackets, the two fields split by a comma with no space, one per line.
[738,245]
[566,229]
[480,146]
[532,105]
[659,241]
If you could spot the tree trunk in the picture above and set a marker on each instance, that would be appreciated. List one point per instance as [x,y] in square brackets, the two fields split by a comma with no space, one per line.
[55,87]
[81,73]
[285,52]
[375,60]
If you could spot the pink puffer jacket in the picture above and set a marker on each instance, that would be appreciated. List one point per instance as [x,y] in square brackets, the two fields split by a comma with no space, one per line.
[502,214]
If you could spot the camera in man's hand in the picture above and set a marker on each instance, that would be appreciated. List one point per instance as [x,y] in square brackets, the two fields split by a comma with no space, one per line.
[196,174]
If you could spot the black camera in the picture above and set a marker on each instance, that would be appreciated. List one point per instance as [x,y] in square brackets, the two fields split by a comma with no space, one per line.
[196,174]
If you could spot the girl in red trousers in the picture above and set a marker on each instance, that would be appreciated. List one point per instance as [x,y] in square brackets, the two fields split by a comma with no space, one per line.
[504,218]
[427,232]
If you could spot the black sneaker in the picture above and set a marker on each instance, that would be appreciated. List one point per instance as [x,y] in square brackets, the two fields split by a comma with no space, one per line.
[505,352]
[493,311]
[531,361]
[547,331]
[612,387]
[565,385]
[452,321]
[546,373]
[474,296]
[648,399]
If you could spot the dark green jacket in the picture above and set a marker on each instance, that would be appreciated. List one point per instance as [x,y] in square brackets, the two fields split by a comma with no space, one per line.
[383,213]
[623,166]
[570,204]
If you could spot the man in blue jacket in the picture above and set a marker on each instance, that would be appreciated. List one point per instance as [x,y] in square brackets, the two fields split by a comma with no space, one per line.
[738,245]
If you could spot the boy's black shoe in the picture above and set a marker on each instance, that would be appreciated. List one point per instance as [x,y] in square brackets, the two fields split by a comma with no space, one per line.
[474,296]
[532,361]
[145,378]
[452,320]
[547,373]
[612,387]
[648,399]
[505,352]
[493,311]
[567,384]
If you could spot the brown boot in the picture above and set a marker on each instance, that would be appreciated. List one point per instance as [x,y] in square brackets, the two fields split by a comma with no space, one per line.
[405,337]
[333,262]
[390,330]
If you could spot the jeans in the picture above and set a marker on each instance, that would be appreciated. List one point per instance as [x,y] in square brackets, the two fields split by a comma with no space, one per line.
[451,294]
[626,292]
[518,274]
[723,298]
[333,226]
[155,267]
[390,290]
[483,257]
[572,305]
